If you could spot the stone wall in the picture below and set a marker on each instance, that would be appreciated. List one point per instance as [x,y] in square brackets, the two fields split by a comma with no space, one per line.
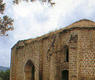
[86,52]
[48,55]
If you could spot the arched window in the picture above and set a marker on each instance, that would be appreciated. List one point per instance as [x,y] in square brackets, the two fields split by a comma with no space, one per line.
[65,75]
[29,71]
[66,53]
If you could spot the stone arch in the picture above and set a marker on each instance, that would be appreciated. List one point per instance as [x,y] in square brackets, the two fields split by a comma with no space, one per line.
[65,75]
[29,70]
[66,53]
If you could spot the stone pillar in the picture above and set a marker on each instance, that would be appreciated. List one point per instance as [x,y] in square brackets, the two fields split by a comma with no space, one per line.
[73,58]
[73,69]
[13,65]
[53,68]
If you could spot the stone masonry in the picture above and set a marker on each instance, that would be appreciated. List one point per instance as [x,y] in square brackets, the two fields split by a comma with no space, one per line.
[66,54]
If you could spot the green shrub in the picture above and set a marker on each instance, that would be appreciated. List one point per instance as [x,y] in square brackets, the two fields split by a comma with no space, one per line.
[5,75]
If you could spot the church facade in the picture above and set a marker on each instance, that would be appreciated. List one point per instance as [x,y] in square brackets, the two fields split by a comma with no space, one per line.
[66,54]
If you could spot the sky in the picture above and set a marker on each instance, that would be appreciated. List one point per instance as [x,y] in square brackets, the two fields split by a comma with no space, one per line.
[35,19]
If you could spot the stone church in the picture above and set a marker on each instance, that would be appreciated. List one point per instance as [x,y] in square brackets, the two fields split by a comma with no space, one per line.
[66,54]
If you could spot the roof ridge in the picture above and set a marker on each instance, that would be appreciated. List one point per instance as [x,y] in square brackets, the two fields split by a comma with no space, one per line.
[77,24]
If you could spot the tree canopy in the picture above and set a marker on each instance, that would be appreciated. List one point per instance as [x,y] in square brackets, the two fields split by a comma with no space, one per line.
[5,75]
[6,23]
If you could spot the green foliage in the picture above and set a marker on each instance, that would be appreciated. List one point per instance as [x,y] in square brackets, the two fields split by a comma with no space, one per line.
[6,23]
[5,75]
[1,78]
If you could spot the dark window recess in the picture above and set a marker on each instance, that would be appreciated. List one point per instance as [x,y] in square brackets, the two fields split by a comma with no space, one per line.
[65,75]
[66,51]
[40,76]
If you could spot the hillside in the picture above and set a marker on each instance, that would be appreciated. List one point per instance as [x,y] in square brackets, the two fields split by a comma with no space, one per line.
[3,68]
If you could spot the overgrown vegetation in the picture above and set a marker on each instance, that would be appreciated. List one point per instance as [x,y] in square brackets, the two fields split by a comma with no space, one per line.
[5,75]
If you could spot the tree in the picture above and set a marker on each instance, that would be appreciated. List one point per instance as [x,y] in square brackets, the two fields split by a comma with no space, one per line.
[1,78]
[5,75]
[49,1]
[6,23]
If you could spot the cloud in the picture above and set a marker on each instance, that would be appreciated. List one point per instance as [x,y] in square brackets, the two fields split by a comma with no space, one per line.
[34,19]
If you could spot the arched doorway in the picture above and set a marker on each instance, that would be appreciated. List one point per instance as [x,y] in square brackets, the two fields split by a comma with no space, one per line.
[29,71]
[65,75]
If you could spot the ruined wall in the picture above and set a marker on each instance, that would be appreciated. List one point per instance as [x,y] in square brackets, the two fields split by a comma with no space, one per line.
[48,55]
[23,53]
[54,56]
